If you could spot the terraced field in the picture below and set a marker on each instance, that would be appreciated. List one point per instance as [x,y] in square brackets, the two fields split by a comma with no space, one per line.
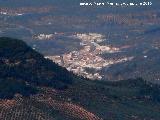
[42,109]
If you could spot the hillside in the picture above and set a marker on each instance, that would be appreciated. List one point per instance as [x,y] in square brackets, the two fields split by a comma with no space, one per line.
[38,89]
[23,67]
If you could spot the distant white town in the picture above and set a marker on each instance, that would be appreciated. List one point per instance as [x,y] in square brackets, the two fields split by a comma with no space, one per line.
[88,57]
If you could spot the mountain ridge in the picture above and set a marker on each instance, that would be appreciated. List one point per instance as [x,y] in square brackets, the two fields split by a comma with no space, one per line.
[22,64]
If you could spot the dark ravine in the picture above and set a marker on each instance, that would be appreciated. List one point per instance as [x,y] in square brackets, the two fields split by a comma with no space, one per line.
[32,87]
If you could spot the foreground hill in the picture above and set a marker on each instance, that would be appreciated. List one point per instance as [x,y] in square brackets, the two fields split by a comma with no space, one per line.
[21,68]
[41,90]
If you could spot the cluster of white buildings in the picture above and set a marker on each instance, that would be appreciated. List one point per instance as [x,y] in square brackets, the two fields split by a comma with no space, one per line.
[78,61]
[90,37]
[12,14]
[45,36]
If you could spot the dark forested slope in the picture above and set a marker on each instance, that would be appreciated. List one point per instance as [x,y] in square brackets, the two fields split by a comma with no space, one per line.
[21,68]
